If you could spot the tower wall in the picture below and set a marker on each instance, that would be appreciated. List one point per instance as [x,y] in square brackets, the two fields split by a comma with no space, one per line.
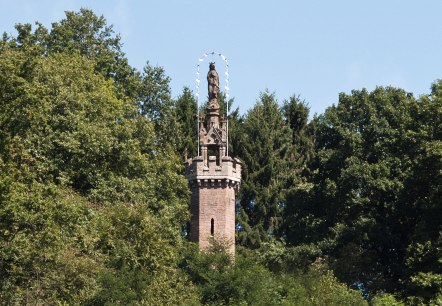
[215,203]
[214,188]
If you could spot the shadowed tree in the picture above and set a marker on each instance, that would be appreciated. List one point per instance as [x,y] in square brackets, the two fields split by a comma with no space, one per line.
[365,205]
[265,150]
[186,112]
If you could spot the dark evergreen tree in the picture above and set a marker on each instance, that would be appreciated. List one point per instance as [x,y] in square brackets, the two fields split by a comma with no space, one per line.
[296,113]
[186,113]
[265,150]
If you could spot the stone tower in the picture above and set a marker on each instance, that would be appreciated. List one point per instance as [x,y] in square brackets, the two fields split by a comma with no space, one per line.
[214,177]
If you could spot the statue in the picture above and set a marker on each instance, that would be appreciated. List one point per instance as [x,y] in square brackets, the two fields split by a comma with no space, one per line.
[213,82]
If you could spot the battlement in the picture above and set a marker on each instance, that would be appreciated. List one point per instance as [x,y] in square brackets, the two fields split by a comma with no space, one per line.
[228,169]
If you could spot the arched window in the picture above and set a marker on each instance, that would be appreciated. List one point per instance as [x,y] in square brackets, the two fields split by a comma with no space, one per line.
[212,227]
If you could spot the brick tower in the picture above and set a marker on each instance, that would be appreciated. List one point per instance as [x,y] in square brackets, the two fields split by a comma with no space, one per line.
[214,177]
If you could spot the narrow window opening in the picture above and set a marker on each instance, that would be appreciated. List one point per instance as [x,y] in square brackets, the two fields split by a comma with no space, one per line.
[212,227]
[188,227]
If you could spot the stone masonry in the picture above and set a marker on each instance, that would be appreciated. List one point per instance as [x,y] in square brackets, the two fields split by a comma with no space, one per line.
[214,179]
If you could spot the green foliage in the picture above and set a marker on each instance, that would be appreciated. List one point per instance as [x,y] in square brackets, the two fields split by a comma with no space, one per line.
[370,202]
[247,282]
[85,34]
[92,202]
[186,113]
[266,145]
[282,258]
[296,112]
[157,104]
[385,299]
[141,260]
[421,198]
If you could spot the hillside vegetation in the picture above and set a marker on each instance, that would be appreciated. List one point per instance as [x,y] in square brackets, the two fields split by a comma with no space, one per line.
[343,209]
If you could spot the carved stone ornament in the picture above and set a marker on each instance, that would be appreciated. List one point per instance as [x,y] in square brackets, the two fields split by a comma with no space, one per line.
[212,82]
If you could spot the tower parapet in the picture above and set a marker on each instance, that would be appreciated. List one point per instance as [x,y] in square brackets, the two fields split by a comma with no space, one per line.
[227,171]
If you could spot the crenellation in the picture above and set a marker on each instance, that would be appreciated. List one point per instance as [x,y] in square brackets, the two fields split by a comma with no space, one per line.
[228,168]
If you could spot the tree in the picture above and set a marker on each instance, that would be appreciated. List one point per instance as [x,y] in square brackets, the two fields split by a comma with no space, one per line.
[85,34]
[89,35]
[363,161]
[249,282]
[266,143]
[156,104]
[421,202]
[89,196]
[296,113]
[92,199]
[358,209]
[186,112]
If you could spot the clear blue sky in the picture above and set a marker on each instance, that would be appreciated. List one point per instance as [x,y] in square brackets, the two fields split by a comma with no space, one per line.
[316,49]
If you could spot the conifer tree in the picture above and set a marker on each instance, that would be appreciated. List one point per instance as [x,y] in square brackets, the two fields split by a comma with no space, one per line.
[265,150]
[186,112]
[296,113]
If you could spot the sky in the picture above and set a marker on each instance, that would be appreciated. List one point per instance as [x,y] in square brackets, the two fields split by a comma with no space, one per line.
[314,49]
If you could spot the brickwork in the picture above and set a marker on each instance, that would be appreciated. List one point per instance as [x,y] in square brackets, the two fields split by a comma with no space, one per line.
[214,180]
[215,203]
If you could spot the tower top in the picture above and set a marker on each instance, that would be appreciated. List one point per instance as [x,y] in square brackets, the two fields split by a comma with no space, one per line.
[214,162]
